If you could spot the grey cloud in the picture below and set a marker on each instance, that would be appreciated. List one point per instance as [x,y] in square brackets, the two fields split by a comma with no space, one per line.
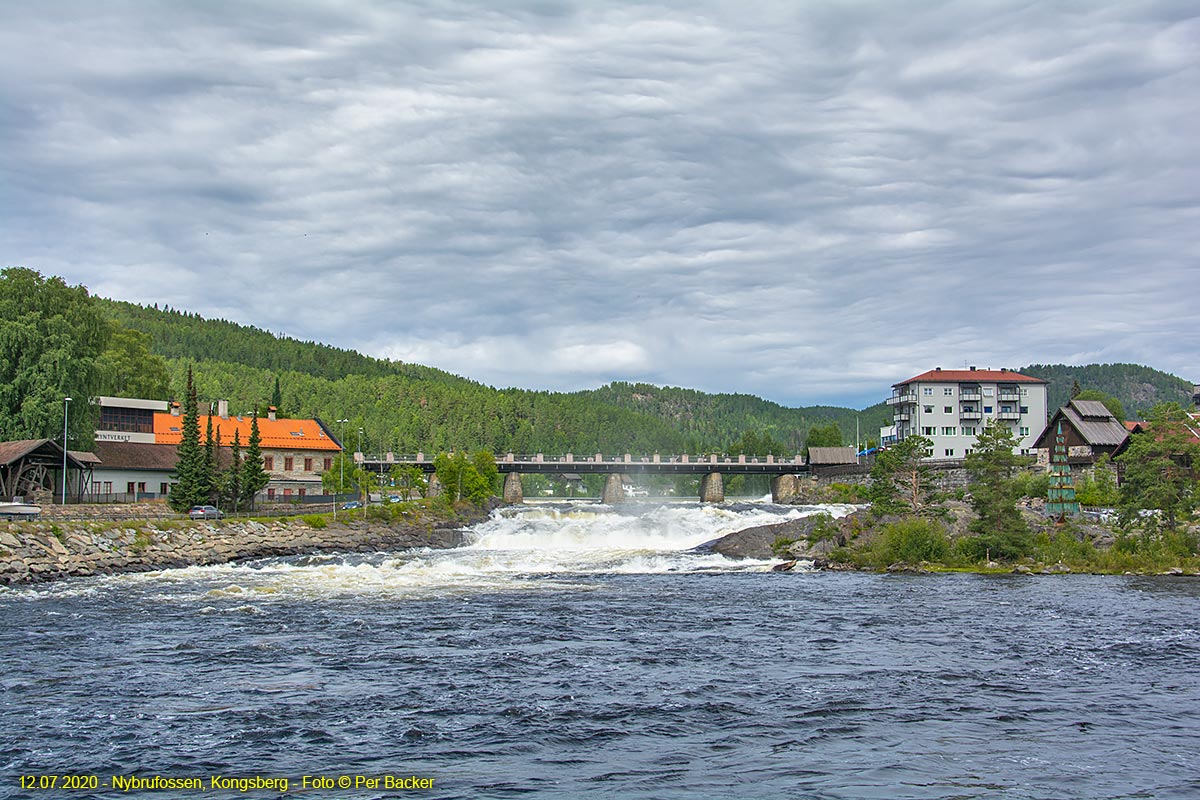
[806,202]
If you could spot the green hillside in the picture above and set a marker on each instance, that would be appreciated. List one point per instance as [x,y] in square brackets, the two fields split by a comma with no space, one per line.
[1138,388]
[406,407]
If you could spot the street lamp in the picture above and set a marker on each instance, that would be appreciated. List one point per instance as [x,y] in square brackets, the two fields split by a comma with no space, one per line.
[341,466]
[66,407]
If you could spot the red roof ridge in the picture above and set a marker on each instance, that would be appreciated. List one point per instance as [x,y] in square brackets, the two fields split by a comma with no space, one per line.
[971,376]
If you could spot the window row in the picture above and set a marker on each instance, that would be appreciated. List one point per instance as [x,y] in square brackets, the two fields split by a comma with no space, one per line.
[289,464]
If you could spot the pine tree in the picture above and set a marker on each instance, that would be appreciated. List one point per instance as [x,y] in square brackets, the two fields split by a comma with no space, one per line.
[277,398]
[254,477]
[992,467]
[191,486]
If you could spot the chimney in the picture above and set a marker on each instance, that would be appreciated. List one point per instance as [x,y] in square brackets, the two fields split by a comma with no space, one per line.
[937,369]
[271,413]
[223,409]
[175,408]
[973,368]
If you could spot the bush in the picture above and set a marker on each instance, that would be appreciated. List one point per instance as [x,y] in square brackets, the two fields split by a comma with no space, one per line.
[914,540]
[1010,546]
[1033,484]
[315,521]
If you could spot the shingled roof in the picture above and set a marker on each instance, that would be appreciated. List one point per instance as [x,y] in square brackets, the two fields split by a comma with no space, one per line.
[827,456]
[1094,423]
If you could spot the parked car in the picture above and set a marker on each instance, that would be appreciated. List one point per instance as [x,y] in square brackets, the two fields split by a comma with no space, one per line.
[205,512]
[393,498]
[353,504]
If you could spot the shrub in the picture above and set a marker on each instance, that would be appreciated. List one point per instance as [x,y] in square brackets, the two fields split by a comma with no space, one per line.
[914,540]
[995,546]
[315,521]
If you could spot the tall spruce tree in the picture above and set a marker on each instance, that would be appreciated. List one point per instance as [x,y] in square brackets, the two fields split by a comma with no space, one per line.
[277,397]
[210,461]
[254,477]
[191,483]
[233,477]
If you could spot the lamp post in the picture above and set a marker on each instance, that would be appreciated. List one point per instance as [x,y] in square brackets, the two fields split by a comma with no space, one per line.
[341,466]
[66,408]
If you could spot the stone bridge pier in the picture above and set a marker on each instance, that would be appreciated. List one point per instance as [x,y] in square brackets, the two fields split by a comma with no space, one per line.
[614,490]
[512,488]
[712,488]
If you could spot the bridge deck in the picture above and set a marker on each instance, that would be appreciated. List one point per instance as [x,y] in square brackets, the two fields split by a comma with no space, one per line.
[676,465]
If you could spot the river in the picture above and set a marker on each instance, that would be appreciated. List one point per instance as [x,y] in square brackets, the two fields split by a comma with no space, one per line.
[577,650]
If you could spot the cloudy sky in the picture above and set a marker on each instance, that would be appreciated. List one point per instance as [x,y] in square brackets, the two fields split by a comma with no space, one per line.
[803,200]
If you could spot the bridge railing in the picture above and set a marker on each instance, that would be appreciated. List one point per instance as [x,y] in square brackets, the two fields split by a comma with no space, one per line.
[572,458]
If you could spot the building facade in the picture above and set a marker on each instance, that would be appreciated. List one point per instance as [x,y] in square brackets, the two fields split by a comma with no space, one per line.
[951,408]
[136,443]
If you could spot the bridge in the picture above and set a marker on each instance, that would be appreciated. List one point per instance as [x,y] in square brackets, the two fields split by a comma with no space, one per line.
[712,468]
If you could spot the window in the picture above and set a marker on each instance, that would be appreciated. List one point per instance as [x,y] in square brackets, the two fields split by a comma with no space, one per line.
[287,463]
[108,487]
[948,392]
[927,391]
[163,487]
[301,492]
[1024,431]
[988,392]
[129,487]
[141,487]
[95,487]
[1024,409]
[928,409]
[327,464]
[968,431]
[1024,392]
[268,463]
[949,451]
[948,431]
[927,431]
[987,409]
[948,409]
[287,492]
[271,493]
[308,465]
[968,451]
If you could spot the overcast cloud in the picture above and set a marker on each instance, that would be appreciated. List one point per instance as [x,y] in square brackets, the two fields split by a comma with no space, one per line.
[805,201]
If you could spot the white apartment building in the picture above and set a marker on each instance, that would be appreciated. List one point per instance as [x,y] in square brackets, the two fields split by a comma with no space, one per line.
[951,407]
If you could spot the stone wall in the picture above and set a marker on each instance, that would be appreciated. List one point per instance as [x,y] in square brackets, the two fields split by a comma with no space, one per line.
[44,550]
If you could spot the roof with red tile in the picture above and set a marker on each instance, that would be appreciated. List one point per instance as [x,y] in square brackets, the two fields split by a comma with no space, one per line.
[277,434]
[970,376]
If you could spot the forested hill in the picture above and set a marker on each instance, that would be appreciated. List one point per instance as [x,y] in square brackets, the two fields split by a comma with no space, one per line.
[724,417]
[406,407]
[1138,388]
[182,334]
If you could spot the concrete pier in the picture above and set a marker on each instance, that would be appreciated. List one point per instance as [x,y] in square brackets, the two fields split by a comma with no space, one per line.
[614,490]
[783,487]
[712,488]
[512,488]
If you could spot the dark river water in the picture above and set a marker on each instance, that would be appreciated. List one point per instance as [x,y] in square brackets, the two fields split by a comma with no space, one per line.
[605,671]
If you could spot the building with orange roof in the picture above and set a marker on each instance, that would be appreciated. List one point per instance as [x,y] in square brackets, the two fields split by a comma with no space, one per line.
[951,408]
[139,440]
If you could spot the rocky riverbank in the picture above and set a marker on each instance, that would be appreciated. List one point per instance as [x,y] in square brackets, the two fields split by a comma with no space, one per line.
[43,550]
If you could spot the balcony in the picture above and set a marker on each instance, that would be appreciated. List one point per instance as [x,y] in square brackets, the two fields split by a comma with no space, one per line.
[970,415]
[1010,396]
[901,399]
[1009,415]
[901,416]
[969,396]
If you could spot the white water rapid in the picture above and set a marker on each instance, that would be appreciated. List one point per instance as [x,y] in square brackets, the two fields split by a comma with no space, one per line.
[534,547]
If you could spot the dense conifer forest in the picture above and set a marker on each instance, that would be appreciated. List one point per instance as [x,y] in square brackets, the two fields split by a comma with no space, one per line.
[130,350]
